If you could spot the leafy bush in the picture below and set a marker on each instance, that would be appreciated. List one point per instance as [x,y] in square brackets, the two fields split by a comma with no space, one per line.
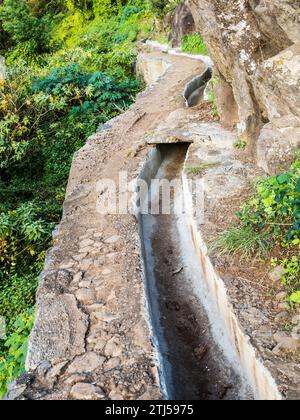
[276,207]
[31,113]
[23,235]
[82,92]
[162,7]
[16,295]
[291,275]
[30,34]
[295,297]
[40,8]
[114,26]
[19,114]
[158,7]
[194,44]
[131,9]
[272,217]
[12,365]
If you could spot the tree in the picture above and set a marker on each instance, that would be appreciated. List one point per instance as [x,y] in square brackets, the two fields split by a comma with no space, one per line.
[40,8]
[4,38]
[28,33]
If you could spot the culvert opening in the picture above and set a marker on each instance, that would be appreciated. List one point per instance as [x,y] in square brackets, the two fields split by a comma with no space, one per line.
[191,362]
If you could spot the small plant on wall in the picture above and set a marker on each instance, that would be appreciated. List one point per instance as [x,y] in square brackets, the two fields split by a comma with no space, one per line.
[240,144]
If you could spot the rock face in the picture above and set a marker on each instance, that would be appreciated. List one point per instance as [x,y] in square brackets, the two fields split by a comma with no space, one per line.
[181,22]
[87,392]
[61,326]
[255,45]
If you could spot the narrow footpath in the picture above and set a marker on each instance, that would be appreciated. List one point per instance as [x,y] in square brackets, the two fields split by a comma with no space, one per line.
[91,338]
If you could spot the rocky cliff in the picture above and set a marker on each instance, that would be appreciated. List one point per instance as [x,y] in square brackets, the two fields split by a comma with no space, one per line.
[181,22]
[255,45]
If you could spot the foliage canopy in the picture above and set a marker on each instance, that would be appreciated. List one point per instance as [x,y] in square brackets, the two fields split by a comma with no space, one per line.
[70,69]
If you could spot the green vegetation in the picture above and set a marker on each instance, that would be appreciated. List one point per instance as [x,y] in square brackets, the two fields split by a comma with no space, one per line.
[242,241]
[271,220]
[291,275]
[12,365]
[200,169]
[69,69]
[194,44]
[211,90]
[162,7]
[240,144]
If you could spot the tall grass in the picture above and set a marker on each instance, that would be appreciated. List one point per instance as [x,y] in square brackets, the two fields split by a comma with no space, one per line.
[194,44]
[242,241]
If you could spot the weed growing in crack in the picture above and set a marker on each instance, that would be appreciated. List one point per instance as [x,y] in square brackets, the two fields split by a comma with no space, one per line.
[200,170]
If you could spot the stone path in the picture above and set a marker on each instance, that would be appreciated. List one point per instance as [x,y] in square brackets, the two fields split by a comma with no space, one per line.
[91,339]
